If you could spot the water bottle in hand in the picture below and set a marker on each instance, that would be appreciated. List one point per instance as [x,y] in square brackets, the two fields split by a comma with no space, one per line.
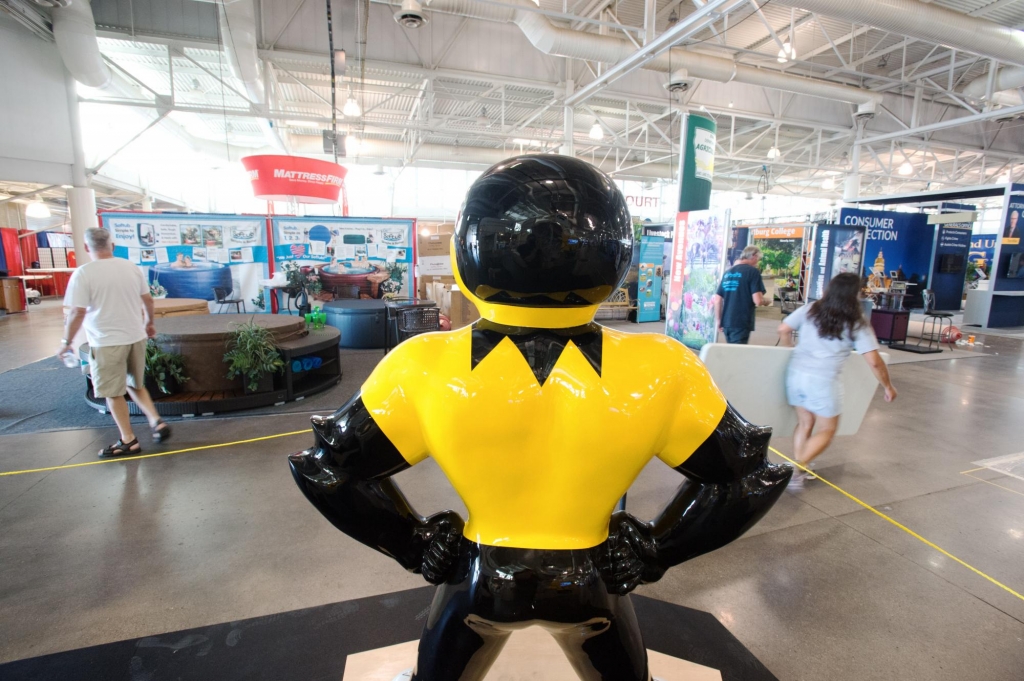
[69,359]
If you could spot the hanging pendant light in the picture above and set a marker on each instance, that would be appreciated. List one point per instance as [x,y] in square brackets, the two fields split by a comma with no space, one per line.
[596,131]
[351,108]
[906,169]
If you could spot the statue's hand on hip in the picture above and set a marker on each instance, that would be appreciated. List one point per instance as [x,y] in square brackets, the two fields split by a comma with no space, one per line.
[443,535]
[627,558]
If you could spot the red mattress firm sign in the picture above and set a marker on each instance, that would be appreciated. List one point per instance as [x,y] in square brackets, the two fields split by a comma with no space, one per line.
[287,178]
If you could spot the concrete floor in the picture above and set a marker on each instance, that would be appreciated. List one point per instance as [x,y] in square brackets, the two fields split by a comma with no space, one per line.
[820,589]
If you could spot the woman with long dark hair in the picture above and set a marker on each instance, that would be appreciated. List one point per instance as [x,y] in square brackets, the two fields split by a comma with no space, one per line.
[830,328]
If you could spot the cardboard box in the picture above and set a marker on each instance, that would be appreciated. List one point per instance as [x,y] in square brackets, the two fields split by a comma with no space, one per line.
[427,283]
[433,257]
[461,310]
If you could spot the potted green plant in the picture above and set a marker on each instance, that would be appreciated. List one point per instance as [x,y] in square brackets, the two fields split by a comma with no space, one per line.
[165,371]
[251,354]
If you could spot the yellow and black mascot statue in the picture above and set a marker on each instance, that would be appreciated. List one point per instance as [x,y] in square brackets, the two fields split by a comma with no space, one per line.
[541,419]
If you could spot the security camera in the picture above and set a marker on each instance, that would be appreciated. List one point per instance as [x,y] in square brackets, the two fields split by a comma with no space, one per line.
[679,81]
[411,15]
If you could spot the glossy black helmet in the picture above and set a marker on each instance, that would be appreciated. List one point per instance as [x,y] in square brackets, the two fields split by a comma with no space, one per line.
[543,231]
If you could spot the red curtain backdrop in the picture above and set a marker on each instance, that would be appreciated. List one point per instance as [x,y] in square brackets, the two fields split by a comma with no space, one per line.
[12,249]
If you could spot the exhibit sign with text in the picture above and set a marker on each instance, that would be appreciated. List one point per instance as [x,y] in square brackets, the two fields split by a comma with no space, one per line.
[697,263]
[781,248]
[837,249]
[697,163]
[190,254]
[952,249]
[375,255]
[1009,274]
[898,247]
[649,278]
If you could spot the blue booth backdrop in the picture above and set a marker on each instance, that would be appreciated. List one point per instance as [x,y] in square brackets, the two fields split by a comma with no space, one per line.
[897,246]
[377,255]
[952,246]
[189,254]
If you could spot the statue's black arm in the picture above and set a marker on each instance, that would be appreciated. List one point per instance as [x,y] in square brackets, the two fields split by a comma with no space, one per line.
[729,486]
[346,476]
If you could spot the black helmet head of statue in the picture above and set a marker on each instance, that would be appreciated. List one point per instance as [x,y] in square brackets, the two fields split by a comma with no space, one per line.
[543,232]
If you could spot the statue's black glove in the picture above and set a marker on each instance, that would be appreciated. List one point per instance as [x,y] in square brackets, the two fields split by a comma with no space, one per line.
[443,535]
[628,558]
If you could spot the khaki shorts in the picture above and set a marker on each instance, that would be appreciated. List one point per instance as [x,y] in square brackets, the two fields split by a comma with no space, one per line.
[115,367]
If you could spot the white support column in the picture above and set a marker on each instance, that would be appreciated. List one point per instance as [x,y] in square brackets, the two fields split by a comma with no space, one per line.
[81,197]
[568,146]
[852,189]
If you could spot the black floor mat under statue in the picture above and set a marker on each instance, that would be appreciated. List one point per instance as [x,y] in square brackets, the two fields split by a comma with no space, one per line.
[312,644]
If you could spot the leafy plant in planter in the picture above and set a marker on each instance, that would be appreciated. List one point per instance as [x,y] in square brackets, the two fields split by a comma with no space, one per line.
[260,301]
[164,370]
[392,286]
[251,354]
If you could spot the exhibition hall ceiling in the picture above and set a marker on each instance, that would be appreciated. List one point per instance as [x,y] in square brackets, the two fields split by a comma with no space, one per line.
[791,84]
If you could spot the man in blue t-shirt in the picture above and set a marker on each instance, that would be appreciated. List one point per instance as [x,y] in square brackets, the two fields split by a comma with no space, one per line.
[740,292]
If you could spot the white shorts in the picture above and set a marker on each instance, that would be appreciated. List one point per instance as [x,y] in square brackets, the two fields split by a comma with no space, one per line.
[820,396]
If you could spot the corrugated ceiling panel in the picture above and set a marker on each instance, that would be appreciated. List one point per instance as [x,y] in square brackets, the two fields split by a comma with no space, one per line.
[182,18]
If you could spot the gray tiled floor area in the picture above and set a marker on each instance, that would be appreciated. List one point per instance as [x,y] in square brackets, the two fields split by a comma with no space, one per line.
[820,589]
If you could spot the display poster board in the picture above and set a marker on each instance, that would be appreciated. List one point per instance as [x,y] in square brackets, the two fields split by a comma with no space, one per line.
[983,250]
[949,264]
[781,249]
[697,262]
[836,249]
[898,246]
[1006,277]
[188,254]
[697,163]
[649,278]
[377,255]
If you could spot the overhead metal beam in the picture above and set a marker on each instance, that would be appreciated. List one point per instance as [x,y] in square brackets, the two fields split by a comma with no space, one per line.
[695,22]
[942,125]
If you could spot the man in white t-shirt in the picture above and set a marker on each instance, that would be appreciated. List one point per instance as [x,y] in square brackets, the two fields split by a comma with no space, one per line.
[110,298]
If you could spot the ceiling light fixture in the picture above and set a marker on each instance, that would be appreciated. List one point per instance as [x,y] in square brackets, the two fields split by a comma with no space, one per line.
[828,184]
[730,103]
[787,53]
[773,153]
[37,209]
[1003,179]
[906,169]
[596,131]
[351,108]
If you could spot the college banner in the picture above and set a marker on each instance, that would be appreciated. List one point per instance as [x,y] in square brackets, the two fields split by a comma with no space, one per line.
[187,255]
[697,164]
[781,249]
[697,261]
[375,255]
[649,278]
[898,247]
[836,249]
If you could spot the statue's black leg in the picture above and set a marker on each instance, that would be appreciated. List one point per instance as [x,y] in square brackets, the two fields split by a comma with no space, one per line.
[456,645]
[606,648]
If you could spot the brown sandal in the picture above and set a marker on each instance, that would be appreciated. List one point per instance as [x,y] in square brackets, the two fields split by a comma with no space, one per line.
[121,449]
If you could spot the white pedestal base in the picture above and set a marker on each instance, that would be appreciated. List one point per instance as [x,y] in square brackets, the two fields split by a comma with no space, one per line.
[530,655]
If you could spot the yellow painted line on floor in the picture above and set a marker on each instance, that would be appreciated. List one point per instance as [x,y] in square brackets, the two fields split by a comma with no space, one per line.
[906,529]
[973,470]
[121,459]
[989,482]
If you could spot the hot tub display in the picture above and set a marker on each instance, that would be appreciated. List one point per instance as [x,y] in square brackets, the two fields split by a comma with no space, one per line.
[190,254]
[196,281]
